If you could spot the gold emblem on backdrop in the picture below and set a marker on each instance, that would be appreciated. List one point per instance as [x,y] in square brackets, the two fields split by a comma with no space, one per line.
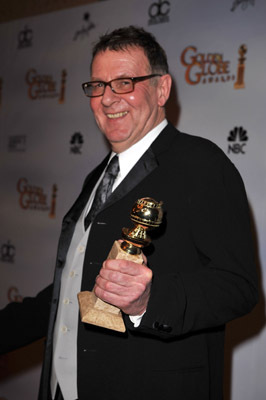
[14,295]
[34,198]
[240,84]
[53,202]
[203,68]
[63,87]
[44,86]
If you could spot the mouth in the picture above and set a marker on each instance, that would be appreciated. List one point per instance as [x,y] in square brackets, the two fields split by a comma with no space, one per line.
[117,115]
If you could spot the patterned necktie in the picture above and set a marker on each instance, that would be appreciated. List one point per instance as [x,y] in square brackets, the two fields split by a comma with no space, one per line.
[104,190]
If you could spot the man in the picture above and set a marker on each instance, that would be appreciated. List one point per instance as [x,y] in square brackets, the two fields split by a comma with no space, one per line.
[198,274]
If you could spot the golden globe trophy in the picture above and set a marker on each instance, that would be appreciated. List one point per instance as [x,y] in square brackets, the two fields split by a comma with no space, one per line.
[146,214]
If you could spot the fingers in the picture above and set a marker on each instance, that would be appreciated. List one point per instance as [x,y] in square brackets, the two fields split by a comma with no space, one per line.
[128,289]
[116,277]
[131,301]
[127,304]
[126,267]
[124,284]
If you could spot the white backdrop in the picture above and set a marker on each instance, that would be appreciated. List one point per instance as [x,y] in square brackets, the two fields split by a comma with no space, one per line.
[49,142]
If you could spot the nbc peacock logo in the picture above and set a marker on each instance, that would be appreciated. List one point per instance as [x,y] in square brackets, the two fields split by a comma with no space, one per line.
[237,139]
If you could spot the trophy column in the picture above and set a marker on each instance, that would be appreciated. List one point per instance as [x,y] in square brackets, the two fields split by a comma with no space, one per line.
[146,214]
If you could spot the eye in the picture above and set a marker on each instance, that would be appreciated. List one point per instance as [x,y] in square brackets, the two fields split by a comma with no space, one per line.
[123,84]
[96,85]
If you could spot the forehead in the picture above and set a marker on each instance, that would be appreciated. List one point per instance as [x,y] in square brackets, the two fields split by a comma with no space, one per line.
[113,64]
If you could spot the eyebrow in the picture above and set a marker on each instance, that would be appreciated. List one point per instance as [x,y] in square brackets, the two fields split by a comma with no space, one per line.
[118,77]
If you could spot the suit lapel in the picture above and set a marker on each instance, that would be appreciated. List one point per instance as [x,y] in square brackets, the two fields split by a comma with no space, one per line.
[143,167]
[146,164]
[90,182]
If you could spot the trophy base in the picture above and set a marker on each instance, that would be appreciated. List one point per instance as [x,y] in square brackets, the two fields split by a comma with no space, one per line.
[95,311]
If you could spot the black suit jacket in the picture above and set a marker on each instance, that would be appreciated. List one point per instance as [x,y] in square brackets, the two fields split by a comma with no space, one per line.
[203,276]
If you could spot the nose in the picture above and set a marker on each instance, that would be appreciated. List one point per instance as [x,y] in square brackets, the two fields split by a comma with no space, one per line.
[109,97]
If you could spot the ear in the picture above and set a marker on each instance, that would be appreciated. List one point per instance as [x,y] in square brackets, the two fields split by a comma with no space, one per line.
[163,89]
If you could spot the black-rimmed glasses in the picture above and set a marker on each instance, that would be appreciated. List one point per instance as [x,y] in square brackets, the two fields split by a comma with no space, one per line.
[118,86]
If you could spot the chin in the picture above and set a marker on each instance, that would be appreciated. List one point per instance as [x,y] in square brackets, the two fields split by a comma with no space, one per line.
[116,137]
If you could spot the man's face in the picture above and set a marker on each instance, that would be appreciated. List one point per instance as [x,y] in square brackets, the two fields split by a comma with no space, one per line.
[126,118]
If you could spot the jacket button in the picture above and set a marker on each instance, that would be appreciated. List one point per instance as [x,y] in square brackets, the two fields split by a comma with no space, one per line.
[166,328]
[155,325]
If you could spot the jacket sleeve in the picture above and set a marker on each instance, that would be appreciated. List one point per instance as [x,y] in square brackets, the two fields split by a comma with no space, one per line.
[25,322]
[225,285]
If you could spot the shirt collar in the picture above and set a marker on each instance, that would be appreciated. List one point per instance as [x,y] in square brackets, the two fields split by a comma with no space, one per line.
[129,157]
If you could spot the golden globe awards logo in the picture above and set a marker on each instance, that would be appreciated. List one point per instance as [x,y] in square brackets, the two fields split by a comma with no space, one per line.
[14,295]
[42,86]
[203,68]
[33,197]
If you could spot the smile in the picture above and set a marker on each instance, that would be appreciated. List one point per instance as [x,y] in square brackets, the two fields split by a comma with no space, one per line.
[117,115]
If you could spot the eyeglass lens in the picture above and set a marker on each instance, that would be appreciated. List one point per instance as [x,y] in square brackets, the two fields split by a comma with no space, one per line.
[117,85]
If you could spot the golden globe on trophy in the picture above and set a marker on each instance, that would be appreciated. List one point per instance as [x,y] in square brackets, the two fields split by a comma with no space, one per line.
[146,214]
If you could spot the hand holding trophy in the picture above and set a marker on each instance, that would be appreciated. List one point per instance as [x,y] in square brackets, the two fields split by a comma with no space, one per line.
[146,214]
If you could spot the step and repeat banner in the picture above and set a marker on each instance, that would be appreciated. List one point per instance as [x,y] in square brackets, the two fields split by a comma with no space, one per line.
[49,142]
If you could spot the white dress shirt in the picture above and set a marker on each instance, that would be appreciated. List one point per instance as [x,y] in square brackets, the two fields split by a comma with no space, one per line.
[64,366]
